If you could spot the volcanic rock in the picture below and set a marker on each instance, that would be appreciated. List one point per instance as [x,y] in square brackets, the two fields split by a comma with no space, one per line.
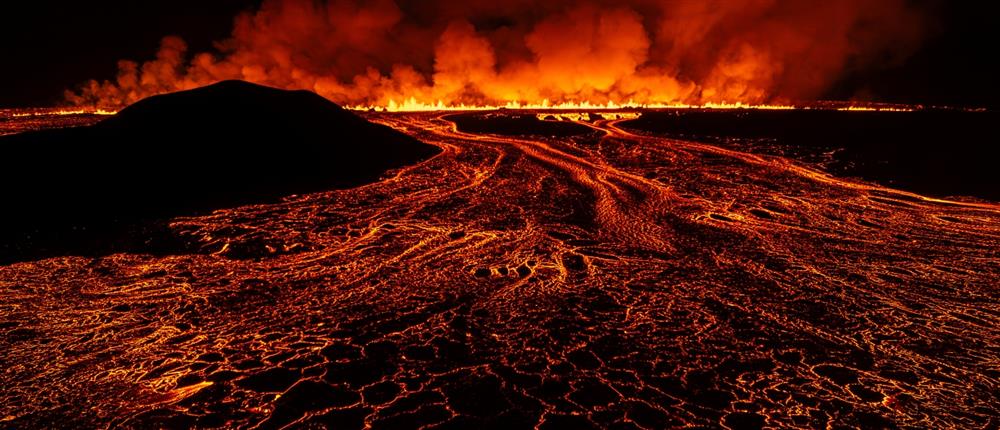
[508,124]
[937,152]
[224,145]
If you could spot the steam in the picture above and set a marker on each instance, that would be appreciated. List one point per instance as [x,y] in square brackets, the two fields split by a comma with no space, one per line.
[489,52]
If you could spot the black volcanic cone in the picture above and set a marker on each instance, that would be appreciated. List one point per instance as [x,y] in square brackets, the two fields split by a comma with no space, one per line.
[219,146]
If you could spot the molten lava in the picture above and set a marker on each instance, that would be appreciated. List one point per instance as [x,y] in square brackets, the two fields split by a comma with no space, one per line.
[551,268]
[605,279]
[60,112]
[412,105]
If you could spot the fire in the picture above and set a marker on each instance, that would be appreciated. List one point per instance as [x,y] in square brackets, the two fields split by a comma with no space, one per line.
[63,112]
[585,116]
[875,109]
[408,55]
[413,105]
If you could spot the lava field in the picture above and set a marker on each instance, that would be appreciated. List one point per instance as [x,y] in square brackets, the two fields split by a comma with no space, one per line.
[586,276]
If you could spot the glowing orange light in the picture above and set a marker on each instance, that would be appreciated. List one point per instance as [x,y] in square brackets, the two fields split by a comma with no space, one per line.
[47,112]
[875,109]
[414,105]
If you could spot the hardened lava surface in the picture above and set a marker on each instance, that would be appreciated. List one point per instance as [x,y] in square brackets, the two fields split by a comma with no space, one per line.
[597,280]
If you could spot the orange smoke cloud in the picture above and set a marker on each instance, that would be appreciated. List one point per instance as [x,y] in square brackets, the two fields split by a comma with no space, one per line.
[491,53]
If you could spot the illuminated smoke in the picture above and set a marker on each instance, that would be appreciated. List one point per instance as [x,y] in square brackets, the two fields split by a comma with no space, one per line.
[491,52]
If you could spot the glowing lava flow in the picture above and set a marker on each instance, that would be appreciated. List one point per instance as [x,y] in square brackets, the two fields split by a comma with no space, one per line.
[608,279]
[19,120]
[62,112]
[874,109]
[412,105]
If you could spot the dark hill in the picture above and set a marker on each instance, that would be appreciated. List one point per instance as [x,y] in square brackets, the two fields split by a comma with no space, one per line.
[189,152]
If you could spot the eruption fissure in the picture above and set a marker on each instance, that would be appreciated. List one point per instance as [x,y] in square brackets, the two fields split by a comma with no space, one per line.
[406,55]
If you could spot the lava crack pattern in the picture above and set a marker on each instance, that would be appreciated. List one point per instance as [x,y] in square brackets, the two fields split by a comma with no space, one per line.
[609,280]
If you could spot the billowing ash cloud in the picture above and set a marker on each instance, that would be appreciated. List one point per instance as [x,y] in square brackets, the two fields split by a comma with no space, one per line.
[358,52]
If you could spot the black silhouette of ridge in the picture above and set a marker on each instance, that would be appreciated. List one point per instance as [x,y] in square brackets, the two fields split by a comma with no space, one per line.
[223,145]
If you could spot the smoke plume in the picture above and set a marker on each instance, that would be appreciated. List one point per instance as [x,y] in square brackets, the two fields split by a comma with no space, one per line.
[491,52]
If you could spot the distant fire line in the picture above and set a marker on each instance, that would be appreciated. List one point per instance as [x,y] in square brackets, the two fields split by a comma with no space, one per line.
[105,112]
[412,105]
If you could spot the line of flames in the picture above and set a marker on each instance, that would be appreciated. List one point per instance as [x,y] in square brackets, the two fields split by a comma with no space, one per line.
[65,112]
[412,105]
[875,109]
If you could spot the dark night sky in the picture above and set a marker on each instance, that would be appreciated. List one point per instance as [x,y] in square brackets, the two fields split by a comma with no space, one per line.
[956,64]
[47,47]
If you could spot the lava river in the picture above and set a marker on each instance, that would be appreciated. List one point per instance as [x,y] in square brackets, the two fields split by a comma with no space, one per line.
[607,280]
